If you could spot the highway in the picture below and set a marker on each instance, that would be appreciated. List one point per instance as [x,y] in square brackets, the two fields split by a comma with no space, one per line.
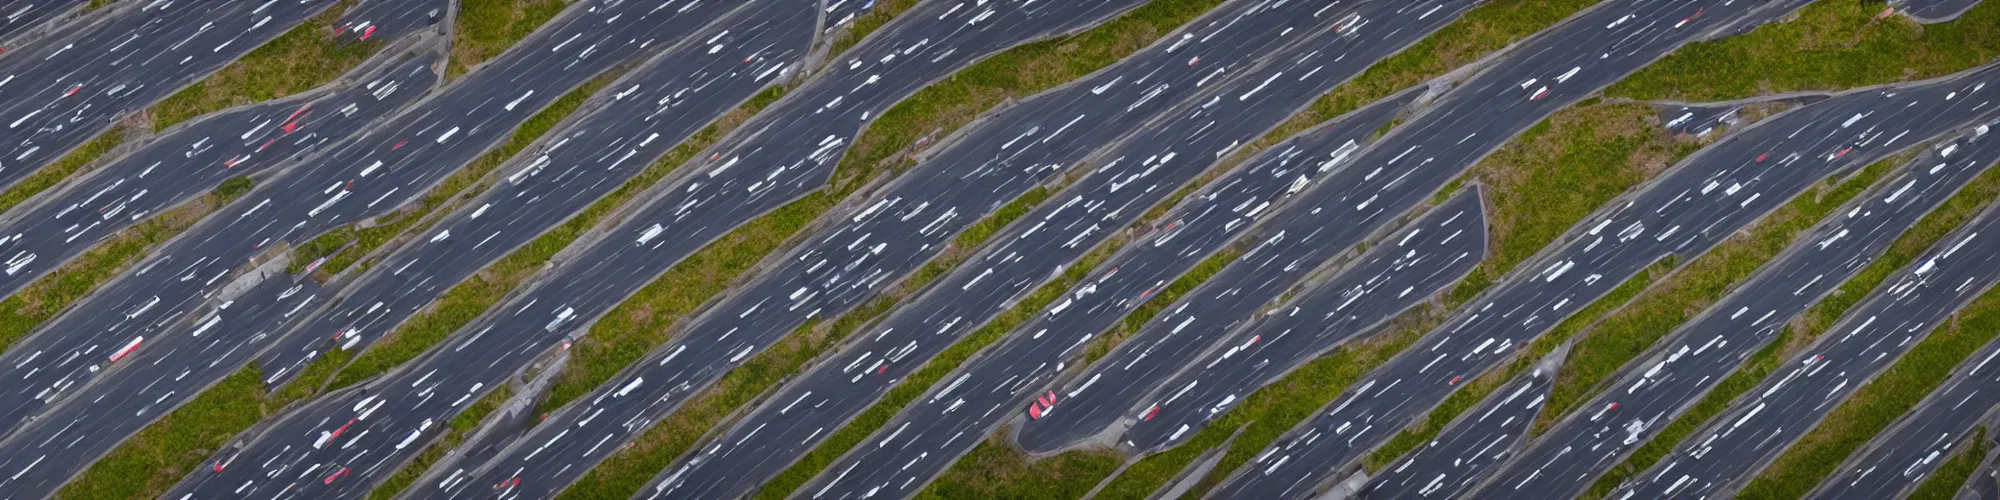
[1027,358]
[1681,368]
[1731,448]
[648,113]
[1905,455]
[19,18]
[391,19]
[59,91]
[1405,168]
[1934,11]
[192,158]
[894,62]
[403,156]
[1752,174]
[1326,45]
[1484,435]
[680,102]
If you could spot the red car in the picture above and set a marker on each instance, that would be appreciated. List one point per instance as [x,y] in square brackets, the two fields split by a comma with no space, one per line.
[1042,405]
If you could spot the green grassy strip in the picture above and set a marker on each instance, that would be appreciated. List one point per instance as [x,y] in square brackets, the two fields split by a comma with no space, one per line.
[469,179]
[1876,405]
[1832,45]
[1627,334]
[299,60]
[1944,483]
[472,297]
[461,426]
[157,457]
[644,321]
[485,28]
[47,177]
[39,301]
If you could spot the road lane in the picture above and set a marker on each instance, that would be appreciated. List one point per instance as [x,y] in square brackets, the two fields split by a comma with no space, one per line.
[1674,375]
[1904,456]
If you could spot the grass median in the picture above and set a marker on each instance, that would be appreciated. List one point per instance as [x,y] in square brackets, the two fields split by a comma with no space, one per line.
[1832,45]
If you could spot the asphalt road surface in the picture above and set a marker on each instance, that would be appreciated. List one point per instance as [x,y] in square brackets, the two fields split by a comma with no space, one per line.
[1027,358]
[1902,457]
[1325,49]
[1413,161]
[1680,370]
[192,158]
[829,108]
[19,17]
[182,286]
[1481,437]
[1729,451]
[61,90]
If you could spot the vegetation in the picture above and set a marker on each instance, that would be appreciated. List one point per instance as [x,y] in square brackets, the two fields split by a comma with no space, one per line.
[296,61]
[485,28]
[1833,45]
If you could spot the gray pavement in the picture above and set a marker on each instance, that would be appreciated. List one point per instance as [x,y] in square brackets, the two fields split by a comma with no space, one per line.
[1681,368]
[21,17]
